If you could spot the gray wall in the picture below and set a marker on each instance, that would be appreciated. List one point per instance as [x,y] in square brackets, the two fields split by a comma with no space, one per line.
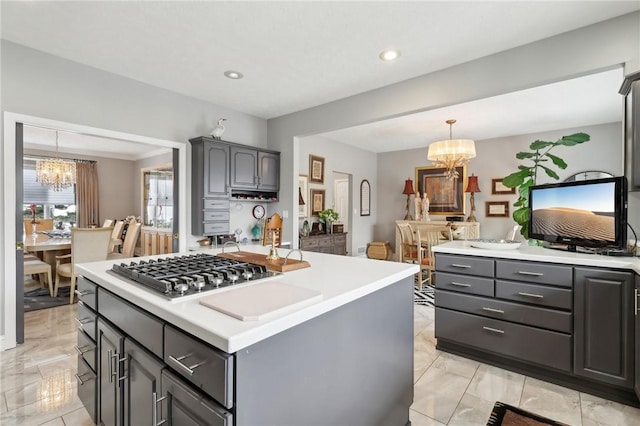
[593,48]
[116,198]
[496,159]
[346,159]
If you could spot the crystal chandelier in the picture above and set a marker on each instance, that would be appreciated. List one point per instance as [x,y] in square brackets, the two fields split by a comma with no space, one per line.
[451,153]
[56,173]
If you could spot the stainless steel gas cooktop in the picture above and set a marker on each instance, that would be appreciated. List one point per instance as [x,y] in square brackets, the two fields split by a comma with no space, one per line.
[178,276]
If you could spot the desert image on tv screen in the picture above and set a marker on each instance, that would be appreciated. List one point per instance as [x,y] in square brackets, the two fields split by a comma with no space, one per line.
[582,212]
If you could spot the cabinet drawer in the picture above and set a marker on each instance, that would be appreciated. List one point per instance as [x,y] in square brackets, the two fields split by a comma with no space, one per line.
[307,244]
[340,239]
[508,311]
[542,295]
[541,273]
[542,347]
[216,204]
[467,265]
[141,326]
[87,349]
[216,215]
[87,387]
[464,284]
[87,292]
[325,242]
[216,228]
[86,320]
[208,368]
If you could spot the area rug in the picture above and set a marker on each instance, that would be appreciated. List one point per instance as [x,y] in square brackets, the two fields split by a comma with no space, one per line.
[507,415]
[425,297]
[40,299]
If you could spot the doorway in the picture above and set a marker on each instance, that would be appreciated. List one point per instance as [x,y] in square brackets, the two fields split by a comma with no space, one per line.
[12,320]
[342,200]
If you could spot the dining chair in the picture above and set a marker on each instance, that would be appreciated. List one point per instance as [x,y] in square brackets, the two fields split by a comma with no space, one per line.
[413,251]
[41,225]
[273,229]
[116,236]
[87,245]
[130,241]
[38,267]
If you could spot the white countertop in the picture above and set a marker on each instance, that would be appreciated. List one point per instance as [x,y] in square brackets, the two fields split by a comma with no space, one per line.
[541,254]
[340,279]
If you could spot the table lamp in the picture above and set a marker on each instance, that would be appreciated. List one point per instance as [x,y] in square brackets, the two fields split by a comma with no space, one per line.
[472,187]
[408,190]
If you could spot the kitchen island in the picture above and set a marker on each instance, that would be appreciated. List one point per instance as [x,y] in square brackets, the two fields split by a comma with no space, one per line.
[564,317]
[346,357]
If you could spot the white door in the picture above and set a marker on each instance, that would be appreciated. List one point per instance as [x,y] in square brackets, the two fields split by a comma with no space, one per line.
[341,200]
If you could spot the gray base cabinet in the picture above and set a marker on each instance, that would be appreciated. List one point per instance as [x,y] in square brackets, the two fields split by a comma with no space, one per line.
[571,324]
[603,325]
[110,345]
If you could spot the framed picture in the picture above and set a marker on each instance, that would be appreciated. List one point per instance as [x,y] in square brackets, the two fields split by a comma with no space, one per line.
[316,169]
[317,201]
[496,208]
[365,198]
[303,191]
[498,188]
[446,197]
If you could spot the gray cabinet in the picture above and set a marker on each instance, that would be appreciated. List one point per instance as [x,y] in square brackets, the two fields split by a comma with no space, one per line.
[110,346]
[603,336]
[268,171]
[142,388]
[325,243]
[637,335]
[254,169]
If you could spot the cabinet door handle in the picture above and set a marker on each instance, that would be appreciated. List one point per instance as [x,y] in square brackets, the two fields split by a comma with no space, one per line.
[497,311]
[458,265]
[110,356]
[82,382]
[187,369]
[534,274]
[120,377]
[635,299]
[154,411]
[493,330]
[460,284]
[537,296]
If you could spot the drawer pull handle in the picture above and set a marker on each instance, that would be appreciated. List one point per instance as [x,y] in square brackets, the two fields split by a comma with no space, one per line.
[83,381]
[154,411]
[534,274]
[460,284]
[493,330]
[537,296]
[178,363]
[82,321]
[458,265]
[84,349]
[81,293]
[497,311]
[635,292]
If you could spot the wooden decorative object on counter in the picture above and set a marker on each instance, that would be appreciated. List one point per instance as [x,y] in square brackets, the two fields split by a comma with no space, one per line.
[379,250]
[279,265]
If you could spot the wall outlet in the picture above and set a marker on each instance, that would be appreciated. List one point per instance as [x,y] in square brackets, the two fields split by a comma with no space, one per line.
[285,214]
[362,249]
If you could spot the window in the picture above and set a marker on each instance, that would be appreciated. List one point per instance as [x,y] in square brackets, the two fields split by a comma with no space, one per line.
[49,204]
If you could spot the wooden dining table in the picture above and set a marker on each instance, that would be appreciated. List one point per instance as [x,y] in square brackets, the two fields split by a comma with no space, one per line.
[47,248]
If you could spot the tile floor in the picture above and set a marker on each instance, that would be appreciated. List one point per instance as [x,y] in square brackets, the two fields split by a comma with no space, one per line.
[38,387]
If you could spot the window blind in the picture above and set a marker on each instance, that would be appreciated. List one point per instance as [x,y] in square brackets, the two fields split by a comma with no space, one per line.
[36,193]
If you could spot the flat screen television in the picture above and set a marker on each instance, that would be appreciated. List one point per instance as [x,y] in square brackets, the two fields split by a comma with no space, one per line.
[589,213]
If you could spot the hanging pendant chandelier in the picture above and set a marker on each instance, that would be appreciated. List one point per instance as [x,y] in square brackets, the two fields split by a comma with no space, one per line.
[56,173]
[451,153]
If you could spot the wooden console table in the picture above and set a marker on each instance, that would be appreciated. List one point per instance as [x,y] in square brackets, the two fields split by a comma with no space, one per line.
[325,243]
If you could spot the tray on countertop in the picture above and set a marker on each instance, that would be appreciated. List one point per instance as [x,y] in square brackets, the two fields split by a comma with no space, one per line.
[261,259]
[261,300]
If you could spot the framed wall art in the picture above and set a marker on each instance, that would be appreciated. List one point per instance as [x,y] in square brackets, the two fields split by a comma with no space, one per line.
[316,169]
[497,188]
[303,188]
[446,197]
[317,201]
[496,208]
[365,198]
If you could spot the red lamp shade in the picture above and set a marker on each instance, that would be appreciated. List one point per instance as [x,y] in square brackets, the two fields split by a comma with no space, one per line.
[408,187]
[472,184]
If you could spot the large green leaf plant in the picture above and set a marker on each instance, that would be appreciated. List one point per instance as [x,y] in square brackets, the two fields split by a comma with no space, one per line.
[540,160]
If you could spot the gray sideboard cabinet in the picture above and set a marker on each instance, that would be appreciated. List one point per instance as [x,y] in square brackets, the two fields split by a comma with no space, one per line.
[603,325]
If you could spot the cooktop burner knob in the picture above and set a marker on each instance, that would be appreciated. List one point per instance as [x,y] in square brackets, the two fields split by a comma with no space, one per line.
[247,274]
[181,288]
[198,282]
[217,280]
[233,276]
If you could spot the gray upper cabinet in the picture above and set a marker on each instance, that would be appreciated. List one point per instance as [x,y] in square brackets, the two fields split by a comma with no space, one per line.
[244,167]
[603,322]
[268,171]
[216,169]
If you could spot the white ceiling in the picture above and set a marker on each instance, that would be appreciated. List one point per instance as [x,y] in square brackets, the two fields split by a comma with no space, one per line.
[296,55]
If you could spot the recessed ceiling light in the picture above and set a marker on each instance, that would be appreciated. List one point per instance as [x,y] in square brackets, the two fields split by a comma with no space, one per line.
[234,75]
[389,55]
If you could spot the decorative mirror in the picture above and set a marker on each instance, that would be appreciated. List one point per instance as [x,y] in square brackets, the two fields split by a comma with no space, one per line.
[365,198]
[588,175]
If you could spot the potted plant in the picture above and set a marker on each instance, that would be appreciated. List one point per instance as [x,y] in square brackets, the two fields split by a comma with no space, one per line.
[328,216]
[527,174]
